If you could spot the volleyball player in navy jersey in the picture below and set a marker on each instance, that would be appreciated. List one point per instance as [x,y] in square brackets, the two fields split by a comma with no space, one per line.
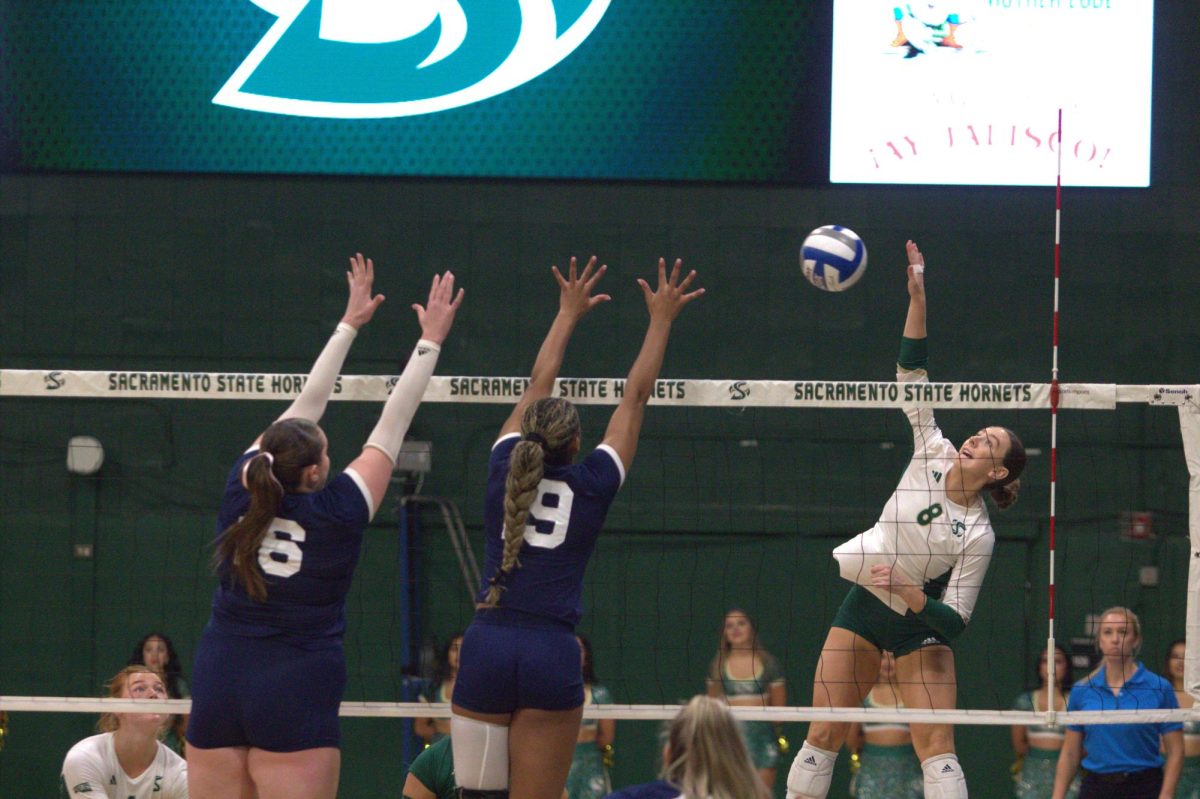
[518,699]
[270,671]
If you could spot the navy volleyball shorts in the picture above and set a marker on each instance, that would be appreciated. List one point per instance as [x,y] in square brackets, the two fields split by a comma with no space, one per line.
[512,660]
[266,693]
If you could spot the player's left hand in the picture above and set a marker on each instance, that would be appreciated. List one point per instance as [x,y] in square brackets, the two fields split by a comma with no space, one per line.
[360,306]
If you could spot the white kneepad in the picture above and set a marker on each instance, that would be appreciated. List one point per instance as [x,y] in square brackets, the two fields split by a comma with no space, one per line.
[480,754]
[944,778]
[811,773]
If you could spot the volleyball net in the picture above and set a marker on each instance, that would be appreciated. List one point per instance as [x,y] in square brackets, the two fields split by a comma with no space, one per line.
[740,490]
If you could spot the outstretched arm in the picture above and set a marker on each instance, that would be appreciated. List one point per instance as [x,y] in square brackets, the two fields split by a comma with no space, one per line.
[913,352]
[378,457]
[574,301]
[360,307]
[664,305]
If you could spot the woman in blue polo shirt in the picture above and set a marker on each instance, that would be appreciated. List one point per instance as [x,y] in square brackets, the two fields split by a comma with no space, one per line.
[1123,761]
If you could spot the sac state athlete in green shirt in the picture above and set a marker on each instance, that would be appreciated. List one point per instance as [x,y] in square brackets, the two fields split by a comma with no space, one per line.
[431,775]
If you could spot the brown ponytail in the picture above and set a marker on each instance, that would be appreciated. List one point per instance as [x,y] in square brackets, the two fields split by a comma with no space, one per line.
[1004,492]
[548,427]
[288,447]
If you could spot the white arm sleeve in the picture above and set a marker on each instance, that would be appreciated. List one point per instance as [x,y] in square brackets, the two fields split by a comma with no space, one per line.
[400,407]
[927,436]
[315,394]
[966,578]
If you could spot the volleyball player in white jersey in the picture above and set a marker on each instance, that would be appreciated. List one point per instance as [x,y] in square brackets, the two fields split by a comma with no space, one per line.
[127,760]
[917,575]
[270,670]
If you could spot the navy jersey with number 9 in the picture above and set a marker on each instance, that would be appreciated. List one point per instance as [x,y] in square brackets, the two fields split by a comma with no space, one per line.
[564,522]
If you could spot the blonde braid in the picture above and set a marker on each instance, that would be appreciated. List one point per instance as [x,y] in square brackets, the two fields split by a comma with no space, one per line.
[527,464]
[549,426]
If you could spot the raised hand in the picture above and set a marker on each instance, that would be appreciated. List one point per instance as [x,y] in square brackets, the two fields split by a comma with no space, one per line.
[668,299]
[575,291]
[916,271]
[437,315]
[360,306]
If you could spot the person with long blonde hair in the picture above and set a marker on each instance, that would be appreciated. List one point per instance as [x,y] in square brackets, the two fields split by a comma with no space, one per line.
[1121,761]
[518,699]
[127,759]
[745,674]
[270,669]
[704,757]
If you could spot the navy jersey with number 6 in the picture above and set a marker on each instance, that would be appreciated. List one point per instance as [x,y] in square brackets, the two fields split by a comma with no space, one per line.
[560,533]
[307,557]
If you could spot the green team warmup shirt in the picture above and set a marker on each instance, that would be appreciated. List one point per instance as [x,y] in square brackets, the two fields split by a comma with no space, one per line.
[435,769]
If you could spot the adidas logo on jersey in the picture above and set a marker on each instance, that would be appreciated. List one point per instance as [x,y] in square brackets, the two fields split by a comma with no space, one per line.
[937,476]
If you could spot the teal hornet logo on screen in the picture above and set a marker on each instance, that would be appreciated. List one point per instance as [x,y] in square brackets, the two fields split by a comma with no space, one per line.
[371,59]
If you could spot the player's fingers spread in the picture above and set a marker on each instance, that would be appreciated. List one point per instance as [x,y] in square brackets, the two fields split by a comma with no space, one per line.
[587,270]
[596,277]
[571,272]
[458,300]
[370,272]
[558,278]
[675,269]
[687,281]
[645,288]
[599,298]
[662,271]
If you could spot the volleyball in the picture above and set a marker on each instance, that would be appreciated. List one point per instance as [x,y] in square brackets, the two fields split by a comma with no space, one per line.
[833,258]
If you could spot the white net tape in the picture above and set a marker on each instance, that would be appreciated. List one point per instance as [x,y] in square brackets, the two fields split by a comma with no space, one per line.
[59,704]
[60,383]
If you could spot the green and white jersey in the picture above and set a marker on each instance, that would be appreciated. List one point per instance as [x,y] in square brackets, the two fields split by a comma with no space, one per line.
[91,771]
[921,533]
[434,768]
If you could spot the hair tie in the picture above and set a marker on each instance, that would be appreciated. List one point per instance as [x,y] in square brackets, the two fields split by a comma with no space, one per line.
[536,438]
[246,465]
